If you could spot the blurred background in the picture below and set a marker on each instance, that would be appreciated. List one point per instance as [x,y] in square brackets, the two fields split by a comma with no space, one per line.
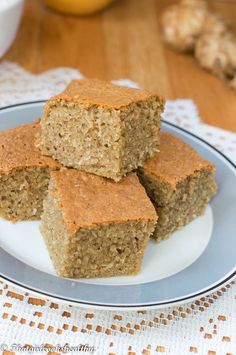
[122,40]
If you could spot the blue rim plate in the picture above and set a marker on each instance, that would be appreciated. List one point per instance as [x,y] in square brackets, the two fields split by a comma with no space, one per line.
[214,267]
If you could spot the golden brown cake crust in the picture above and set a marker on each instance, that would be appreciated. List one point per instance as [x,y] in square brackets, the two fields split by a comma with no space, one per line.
[94,92]
[17,149]
[87,200]
[175,161]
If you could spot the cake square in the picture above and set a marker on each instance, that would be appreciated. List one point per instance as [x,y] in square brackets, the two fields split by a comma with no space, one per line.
[24,174]
[179,182]
[101,128]
[94,227]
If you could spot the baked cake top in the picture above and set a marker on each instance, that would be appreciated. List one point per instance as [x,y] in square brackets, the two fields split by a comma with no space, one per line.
[87,200]
[17,149]
[94,92]
[175,161]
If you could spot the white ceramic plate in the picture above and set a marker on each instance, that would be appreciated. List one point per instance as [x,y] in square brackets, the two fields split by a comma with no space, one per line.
[196,260]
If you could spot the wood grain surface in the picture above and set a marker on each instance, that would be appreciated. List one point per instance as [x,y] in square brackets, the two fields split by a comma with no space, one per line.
[124,41]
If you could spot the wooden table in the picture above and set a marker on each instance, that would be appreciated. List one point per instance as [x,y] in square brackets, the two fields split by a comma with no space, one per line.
[124,41]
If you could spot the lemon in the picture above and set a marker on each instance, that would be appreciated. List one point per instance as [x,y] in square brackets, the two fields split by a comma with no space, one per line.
[77,7]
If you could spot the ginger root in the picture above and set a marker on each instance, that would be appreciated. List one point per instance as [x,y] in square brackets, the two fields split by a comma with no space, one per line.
[217,53]
[189,25]
[214,24]
[182,24]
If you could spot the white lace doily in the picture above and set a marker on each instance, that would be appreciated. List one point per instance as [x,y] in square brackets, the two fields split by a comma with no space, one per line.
[206,326]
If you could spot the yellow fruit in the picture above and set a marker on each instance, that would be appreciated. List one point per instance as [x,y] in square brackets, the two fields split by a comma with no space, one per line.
[77,7]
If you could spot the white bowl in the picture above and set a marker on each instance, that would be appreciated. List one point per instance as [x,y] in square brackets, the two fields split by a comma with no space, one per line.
[10,14]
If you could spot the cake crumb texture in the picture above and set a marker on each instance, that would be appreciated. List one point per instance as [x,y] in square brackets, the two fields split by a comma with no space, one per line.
[94,227]
[180,184]
[175,161]
[24,174]
[101,128]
